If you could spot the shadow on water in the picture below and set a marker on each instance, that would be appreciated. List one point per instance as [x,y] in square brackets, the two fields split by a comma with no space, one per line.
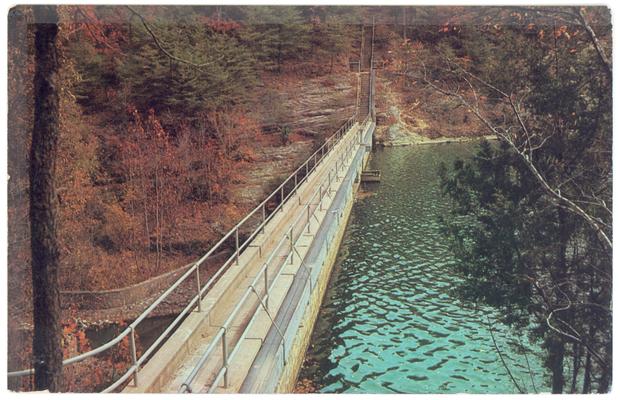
[389,322]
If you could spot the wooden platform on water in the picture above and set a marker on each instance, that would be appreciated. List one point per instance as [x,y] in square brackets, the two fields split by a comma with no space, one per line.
[371,175]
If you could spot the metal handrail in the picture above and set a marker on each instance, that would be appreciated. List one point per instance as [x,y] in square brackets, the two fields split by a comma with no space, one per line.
[361,49]
[371,75]
[223,371]
[221,335]
[323,150]
[372,45]
[371,96]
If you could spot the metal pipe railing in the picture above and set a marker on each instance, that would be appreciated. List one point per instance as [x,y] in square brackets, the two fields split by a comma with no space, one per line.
[322,194]
[260,210]
[347,148]
[372,45]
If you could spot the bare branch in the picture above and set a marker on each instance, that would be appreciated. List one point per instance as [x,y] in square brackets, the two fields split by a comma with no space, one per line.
[525,153]
[597,44]
[527,361]
[159,44]
[578,338]
[501,357]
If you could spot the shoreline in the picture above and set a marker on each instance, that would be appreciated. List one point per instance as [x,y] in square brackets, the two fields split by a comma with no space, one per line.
[442,140]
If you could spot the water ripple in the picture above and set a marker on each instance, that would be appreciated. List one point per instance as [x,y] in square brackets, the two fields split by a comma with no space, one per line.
[389,323]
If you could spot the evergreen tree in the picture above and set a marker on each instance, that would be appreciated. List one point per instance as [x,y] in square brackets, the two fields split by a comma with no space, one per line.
[275,34]
[331,37]
[159,83]
[522,247]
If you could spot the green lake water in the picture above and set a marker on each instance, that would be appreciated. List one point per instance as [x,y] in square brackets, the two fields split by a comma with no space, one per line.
[389,323]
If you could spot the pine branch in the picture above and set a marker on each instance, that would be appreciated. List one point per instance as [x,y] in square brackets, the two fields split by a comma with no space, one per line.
[501,357]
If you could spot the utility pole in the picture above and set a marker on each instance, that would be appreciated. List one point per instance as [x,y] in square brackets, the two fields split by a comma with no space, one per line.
[46,350]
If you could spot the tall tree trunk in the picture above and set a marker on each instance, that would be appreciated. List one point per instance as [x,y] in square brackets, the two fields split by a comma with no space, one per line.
[143,177]
[556,345]
[605,325]
[587,373]
[47,353]
[157,221]
[577,354]
[605,381]
[556,364]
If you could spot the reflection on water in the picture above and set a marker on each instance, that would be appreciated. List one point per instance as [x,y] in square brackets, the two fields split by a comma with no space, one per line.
[389,322]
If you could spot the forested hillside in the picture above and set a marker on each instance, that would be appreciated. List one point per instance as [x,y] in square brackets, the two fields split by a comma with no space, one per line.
[164,112]
[174,122]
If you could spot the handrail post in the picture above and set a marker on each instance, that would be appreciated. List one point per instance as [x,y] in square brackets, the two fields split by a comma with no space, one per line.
[321,197]
[308,222]
[134,358]
[225,357]
[290,237]
[264,218]
[266,289]
[237,245]
[298,196]
[198,286]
